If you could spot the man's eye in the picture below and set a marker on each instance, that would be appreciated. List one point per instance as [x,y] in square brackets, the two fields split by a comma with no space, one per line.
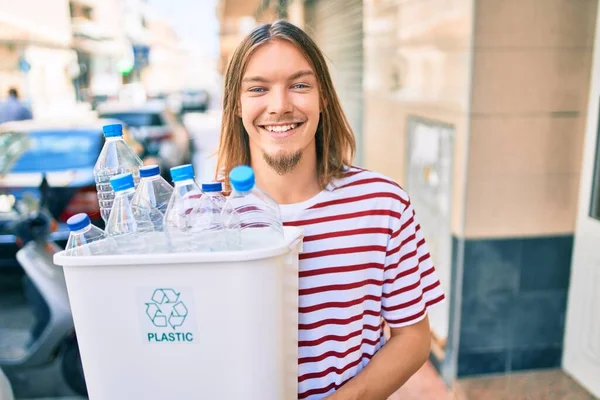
[256,90]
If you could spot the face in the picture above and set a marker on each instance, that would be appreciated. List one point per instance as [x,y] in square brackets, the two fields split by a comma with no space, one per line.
[280,105]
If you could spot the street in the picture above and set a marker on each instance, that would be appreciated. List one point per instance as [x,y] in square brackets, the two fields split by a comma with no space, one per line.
[17,318]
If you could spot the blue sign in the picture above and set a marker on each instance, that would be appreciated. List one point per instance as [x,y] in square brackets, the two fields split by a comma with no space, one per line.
[24,65]
[141,55]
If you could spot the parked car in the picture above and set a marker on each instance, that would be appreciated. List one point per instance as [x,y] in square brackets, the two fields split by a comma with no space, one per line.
[157,128]
[194,100]
[65,153]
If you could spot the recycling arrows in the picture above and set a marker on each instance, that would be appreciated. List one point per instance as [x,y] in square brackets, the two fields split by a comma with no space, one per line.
[161,296]
[178,315]
[156,316]
[163,300]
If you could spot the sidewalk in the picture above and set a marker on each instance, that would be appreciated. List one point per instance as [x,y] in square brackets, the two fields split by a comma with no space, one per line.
[426,384]
[534,385]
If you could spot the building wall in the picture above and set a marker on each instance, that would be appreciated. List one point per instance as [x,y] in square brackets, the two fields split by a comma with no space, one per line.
[48,83]
[531,76]
[50,21]
[511,78]
[530,89]
[44,40]
[417,57]
[417,63]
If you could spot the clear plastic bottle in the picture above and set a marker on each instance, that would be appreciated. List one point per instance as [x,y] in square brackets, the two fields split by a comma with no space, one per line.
[86,239]
[252,219]
[115,158]
[182,211]
[215,191]
[156,191]
[209,223]
[130,226]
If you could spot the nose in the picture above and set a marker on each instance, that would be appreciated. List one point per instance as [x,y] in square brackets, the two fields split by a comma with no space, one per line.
[279,101]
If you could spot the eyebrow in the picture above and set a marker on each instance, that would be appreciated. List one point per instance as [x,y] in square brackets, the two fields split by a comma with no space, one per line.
[300,74]
[294,76]
[254,79]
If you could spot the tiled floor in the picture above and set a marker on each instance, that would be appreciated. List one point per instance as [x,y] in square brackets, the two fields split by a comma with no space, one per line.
[538,385]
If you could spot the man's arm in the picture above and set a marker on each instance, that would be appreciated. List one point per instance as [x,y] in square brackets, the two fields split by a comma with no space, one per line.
[404,353]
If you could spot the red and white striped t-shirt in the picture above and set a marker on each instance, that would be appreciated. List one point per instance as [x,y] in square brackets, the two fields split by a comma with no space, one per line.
[364,260]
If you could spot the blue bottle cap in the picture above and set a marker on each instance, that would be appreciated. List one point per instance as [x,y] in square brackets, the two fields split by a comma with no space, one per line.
[182,172]
[242,178]
[212,187]
[78,221]
[149,170]
[112,130]
[122,182]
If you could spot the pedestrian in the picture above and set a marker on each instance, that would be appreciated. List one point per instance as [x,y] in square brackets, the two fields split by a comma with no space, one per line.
[12,109]
[364,259]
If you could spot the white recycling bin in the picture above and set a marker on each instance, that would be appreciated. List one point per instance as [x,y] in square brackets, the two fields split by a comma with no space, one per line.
[218,326]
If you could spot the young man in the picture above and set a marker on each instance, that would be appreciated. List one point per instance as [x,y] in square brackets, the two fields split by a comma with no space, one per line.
[364,259]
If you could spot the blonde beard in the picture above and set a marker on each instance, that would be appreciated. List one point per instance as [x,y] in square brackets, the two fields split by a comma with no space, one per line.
[282,162]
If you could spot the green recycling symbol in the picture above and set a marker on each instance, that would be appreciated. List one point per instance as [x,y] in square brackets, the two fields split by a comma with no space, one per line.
[166,309]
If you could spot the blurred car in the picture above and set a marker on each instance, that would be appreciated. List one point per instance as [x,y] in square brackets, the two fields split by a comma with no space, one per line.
[165,140]
[66,153]
[194,100]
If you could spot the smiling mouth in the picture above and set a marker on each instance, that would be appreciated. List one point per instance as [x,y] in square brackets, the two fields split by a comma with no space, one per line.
[281,129]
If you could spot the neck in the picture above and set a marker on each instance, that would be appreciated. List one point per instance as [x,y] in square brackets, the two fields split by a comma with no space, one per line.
[298,185]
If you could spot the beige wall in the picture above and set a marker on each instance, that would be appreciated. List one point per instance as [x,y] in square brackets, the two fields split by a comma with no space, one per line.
[46,20]
[521,103]
[42,29]
[531,72]
[417,62]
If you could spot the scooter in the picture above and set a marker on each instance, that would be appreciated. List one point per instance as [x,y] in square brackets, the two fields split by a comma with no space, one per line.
[51,341]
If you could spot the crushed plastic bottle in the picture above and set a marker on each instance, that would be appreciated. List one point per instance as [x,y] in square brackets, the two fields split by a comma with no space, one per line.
[252,219]
[131,227]
[86,239]
[153,189]
[115,158]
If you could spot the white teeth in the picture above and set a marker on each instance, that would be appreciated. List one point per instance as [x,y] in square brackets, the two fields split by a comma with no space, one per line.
[280,128]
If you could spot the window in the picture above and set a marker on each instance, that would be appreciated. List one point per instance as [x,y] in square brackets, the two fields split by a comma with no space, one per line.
[14,144]
[59,150]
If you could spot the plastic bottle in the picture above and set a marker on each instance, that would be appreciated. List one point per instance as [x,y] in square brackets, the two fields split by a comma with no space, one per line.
[130,226]
[209,224]
[215,191]
[86,239]
[153,189]
[115,158]
[251,217]
[182,211]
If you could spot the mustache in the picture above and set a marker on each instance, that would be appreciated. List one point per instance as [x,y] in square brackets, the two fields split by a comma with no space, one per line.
[283,121]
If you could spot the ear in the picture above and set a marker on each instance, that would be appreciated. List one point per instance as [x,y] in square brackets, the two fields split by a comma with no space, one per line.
[238,109]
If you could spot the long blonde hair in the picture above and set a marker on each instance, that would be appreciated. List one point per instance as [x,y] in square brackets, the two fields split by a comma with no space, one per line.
[335,141]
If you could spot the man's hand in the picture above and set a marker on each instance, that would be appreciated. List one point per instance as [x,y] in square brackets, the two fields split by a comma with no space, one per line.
[405,352]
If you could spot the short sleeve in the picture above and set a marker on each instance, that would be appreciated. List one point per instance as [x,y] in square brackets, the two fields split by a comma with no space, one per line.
[410,285]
